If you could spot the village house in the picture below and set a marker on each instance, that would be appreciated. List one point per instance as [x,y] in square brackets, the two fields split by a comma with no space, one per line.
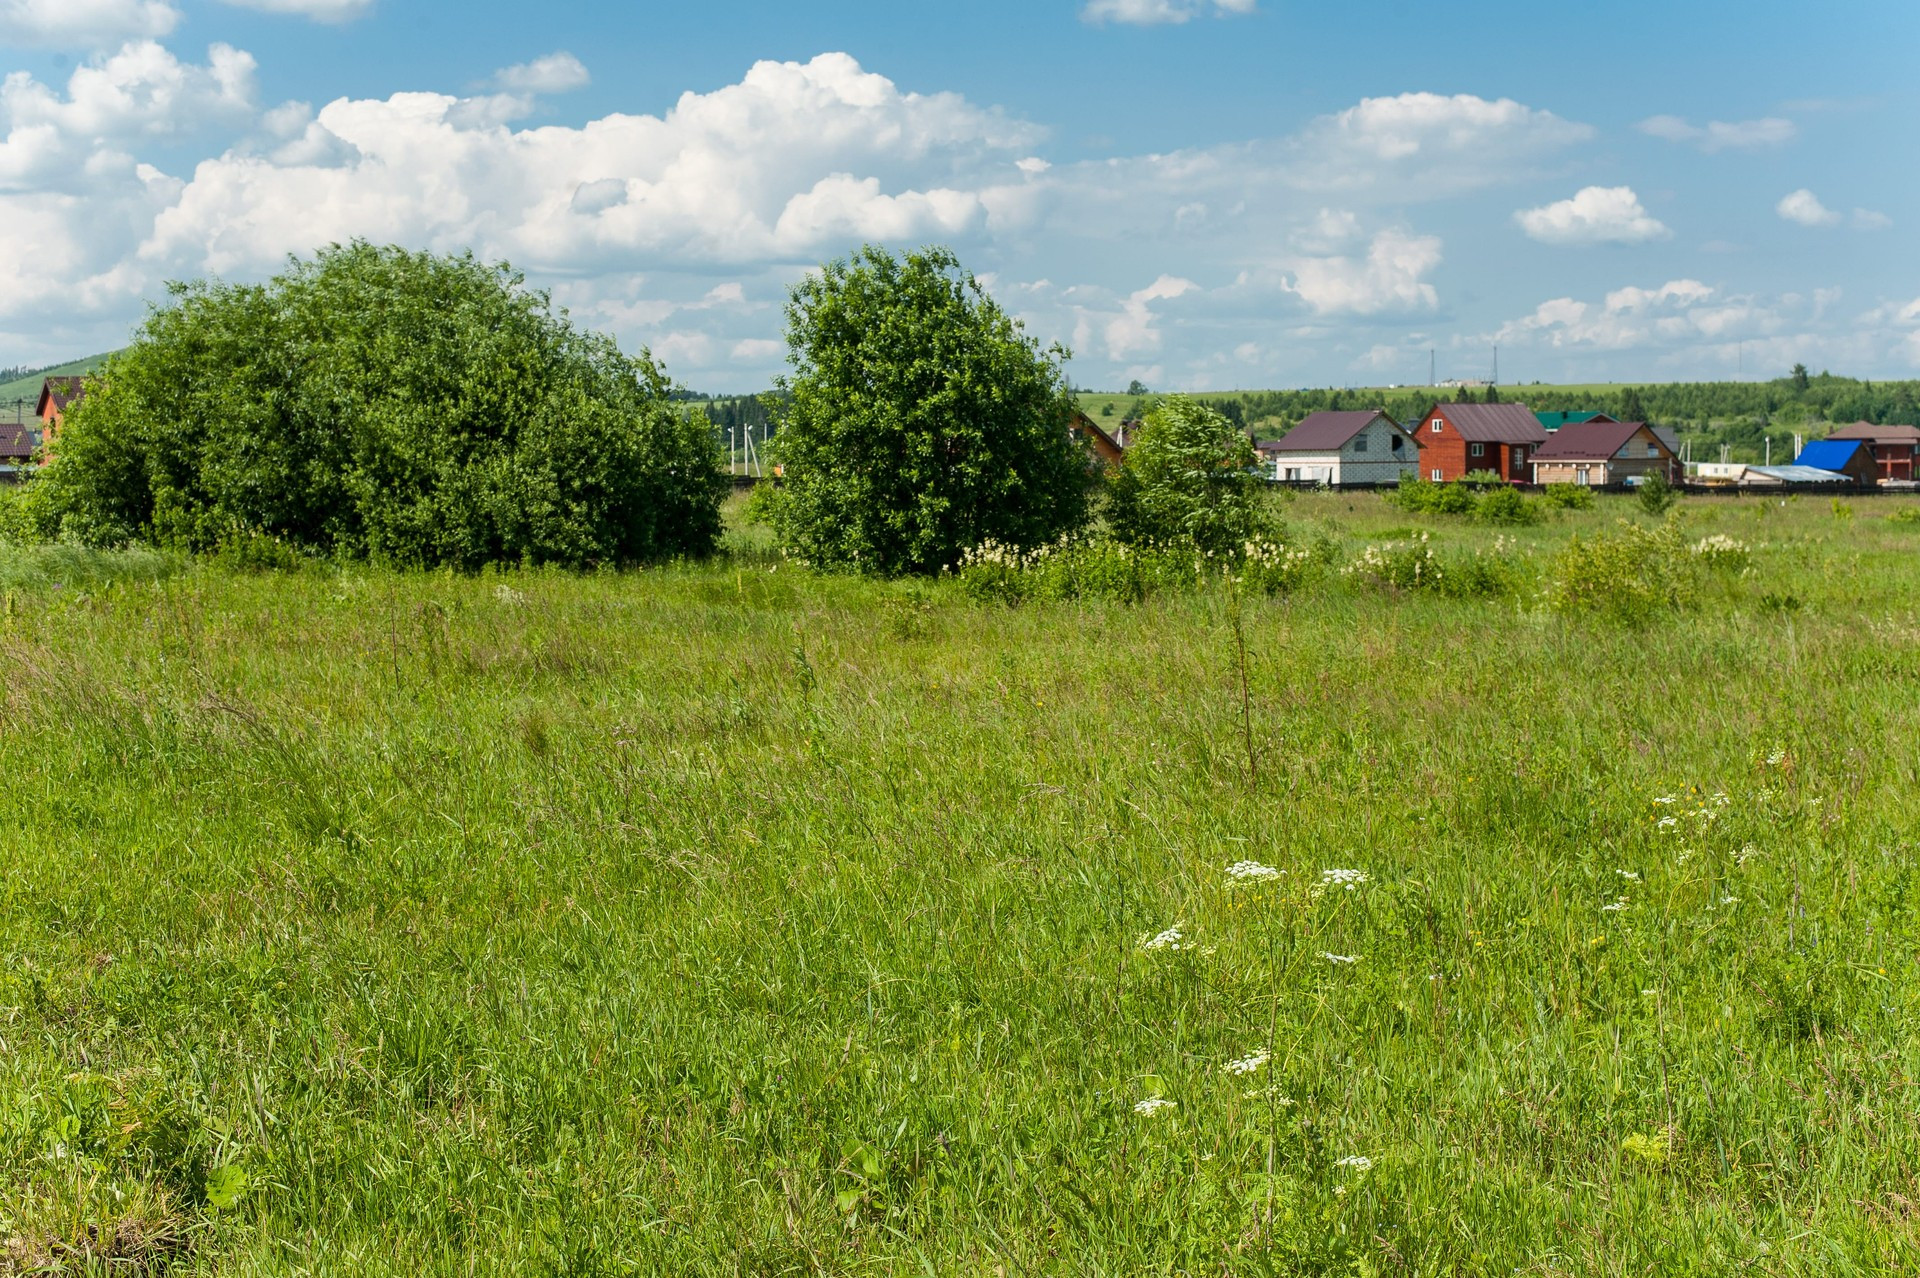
[1853,458]
[1604,452]
[16,450]
[58,395]
[1896,449]
[1457,439]
[1366,447]
[1103,446]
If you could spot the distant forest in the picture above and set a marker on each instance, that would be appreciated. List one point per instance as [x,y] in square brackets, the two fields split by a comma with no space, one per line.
[1739,416]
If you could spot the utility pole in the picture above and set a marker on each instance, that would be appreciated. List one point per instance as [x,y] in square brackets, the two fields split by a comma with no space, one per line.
[1496,367]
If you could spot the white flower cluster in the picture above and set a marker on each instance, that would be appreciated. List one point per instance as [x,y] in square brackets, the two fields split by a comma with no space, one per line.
[1359,1162]
[1722,551]
[1250,872]
[1153,1105]
[1171,939]
[1248,1064]
[1348,879]
[1339,960]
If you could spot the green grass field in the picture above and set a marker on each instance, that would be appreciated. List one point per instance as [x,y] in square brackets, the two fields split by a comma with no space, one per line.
[723,919]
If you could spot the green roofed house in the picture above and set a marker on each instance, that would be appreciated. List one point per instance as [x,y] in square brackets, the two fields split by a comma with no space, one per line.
[1554,421]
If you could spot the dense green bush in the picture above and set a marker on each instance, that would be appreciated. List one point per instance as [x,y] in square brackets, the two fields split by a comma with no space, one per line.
[1505,506]
[372,402]
[923,421]
[1188,480]
[1568,496]
[1422,497]
[1656,495]
[1631,575]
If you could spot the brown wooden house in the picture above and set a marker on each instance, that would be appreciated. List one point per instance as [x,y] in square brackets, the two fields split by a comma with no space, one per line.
[1456,439]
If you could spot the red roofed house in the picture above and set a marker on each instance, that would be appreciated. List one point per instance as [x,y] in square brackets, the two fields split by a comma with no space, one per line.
[16,450]
[57,396]
[1604,452]
[1895,448]
[1458,438]
[1344,448]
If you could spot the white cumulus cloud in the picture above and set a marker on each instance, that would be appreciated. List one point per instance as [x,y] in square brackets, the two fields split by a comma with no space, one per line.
[84,23]
[555,73]
[1804,208]
[1596,215]
[143,92]
[1722,135]
[1148,13]
[318,10]
[1389,278]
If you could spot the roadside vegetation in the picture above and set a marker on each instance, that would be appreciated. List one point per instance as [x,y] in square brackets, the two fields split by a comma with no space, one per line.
[729,918]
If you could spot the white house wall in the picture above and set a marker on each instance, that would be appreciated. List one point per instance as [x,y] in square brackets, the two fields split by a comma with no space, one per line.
[1377,464]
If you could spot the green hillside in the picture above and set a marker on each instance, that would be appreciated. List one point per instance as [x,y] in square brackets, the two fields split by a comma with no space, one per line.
[28,388]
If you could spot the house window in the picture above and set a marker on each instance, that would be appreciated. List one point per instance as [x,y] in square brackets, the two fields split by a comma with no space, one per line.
[1359,443]
[1437,424]
[1396,442]
[1476,450]
[1520,455]
[1436,474]
[1653,450]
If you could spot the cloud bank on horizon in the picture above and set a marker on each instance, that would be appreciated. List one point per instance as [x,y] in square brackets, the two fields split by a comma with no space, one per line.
[1341,249]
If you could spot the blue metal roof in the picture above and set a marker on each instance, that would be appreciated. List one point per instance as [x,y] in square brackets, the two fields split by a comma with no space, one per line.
[1828,454]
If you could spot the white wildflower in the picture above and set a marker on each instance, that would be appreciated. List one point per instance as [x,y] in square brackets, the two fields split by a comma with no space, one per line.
[1359,1162]
[1153,1105]
[1778,757]
[1268,1094]
[1617,905]
[1338,959]
[1665,799]
[1729,900]
[1631,876]
[1250,872]
[1171,939]
[1248,1064]
[1348,879]
[1667,823]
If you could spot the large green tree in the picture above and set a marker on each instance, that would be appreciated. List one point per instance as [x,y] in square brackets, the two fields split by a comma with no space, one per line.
[419,409]
[1189,478]
[923,420]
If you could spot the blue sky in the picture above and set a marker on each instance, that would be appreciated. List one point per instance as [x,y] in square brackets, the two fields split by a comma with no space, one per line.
[1199,193]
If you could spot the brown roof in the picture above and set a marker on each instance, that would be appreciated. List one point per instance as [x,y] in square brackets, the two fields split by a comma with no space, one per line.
[1325,432]
[1590,441]
[16,441]
[1493,423]
[60,392]
[1878,434]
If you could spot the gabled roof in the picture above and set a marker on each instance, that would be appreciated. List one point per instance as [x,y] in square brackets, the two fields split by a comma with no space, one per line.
[1596,440]
[1830,454]
[1087,426]
[1878,434]
[1554,421]
[16,441]
[1328,432]
[1493,423]
[59,392]
[1668,436]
